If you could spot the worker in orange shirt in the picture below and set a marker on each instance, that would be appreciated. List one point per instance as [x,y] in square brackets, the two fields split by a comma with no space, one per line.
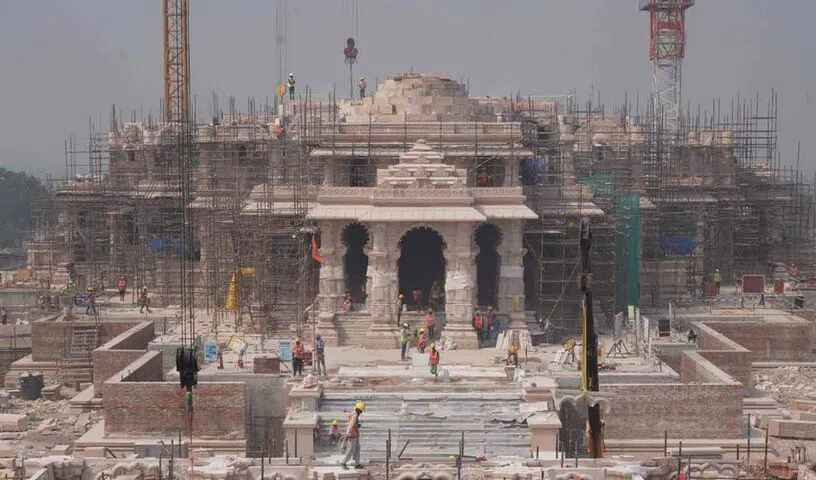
[298,356]
[433,360]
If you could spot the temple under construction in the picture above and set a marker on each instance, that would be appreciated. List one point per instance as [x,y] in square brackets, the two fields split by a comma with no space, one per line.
[474,201]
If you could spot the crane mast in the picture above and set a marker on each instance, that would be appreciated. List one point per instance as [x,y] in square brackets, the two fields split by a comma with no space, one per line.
[176,61]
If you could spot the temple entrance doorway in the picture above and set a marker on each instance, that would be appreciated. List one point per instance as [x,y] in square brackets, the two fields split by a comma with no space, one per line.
[487,238]
[355,262]
[421,268]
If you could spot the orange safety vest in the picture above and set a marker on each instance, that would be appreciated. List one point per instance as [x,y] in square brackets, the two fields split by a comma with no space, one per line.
[298,352]
[434,357]
[353,430]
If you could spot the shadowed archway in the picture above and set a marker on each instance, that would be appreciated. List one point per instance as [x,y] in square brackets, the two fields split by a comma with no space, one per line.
[421,266]
[487,238]
[355,261]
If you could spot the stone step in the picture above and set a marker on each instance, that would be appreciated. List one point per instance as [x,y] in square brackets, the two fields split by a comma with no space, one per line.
[435,421]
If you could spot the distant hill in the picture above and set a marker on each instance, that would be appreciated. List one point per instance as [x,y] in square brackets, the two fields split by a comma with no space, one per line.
[17,193]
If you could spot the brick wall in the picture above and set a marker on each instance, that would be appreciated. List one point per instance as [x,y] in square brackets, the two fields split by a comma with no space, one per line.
[727,354]
[120,352]
[683,410]
[142,404]
[49,339]
[770,341]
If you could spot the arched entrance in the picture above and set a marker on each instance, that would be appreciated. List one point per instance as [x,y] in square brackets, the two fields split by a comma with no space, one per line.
[355,261]
[487,238]
[421,268]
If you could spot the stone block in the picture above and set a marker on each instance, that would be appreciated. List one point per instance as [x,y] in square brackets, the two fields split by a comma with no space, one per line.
[806,405]
[266,365]
[805,416]
[792,429]
[61,450]
[8,450]
[10,422]
[544,429]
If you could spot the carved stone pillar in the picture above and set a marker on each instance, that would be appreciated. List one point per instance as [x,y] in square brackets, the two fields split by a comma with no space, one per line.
[382,278]
[511,276]
[330,283]
[460,281]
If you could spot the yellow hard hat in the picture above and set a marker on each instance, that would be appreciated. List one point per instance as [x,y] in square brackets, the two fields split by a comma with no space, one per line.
[359,405]
[421,330]
[334,422]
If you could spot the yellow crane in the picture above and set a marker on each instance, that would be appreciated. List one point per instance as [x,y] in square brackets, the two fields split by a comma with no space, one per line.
[176,61]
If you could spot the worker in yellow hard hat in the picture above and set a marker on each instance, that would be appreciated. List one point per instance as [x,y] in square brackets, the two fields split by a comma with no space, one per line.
[404,338]
[353,436]
[334,432]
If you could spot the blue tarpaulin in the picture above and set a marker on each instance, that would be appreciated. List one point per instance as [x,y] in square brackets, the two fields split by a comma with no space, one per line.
[675,245]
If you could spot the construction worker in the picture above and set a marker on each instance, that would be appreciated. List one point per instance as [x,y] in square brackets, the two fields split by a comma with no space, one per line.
[144,301]
[90,304]
[334,433]
[320,356]
[298,355]
[430,323]
[291,84]
[400,306]
[416,296]
[478,323]
[362,84]
[490,321]
[121,287]
[512,351]
[353,436]
[423,340]
[3,316]
[404,338]
[717,281]
[433,360]
[241,354]
[347,302]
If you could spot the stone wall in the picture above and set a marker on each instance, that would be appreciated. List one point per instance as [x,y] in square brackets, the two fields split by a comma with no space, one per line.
[120,352]
[685,411]
[139,403]
[779,341]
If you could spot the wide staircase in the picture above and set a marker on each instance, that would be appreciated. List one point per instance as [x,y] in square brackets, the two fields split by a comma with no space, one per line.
[352,327]
[431,423]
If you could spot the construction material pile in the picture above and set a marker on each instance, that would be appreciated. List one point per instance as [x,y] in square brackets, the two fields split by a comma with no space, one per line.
[787,383]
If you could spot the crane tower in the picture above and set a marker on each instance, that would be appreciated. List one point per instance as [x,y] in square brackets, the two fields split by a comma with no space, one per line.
[666,50]
[176,61]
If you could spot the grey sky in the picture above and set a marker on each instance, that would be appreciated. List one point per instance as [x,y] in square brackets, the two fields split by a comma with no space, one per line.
[64,61]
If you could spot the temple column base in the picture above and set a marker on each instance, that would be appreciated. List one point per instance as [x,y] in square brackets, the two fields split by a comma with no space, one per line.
[518,321]
[463,335]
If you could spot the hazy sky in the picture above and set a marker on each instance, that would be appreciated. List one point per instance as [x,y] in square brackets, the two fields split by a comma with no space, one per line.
[65,61]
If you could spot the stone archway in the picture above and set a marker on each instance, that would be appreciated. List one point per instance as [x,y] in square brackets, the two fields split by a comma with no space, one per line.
[355,237]
[487,238]
[421,268]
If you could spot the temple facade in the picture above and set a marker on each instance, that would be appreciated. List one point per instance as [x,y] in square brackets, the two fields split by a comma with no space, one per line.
[421,232]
